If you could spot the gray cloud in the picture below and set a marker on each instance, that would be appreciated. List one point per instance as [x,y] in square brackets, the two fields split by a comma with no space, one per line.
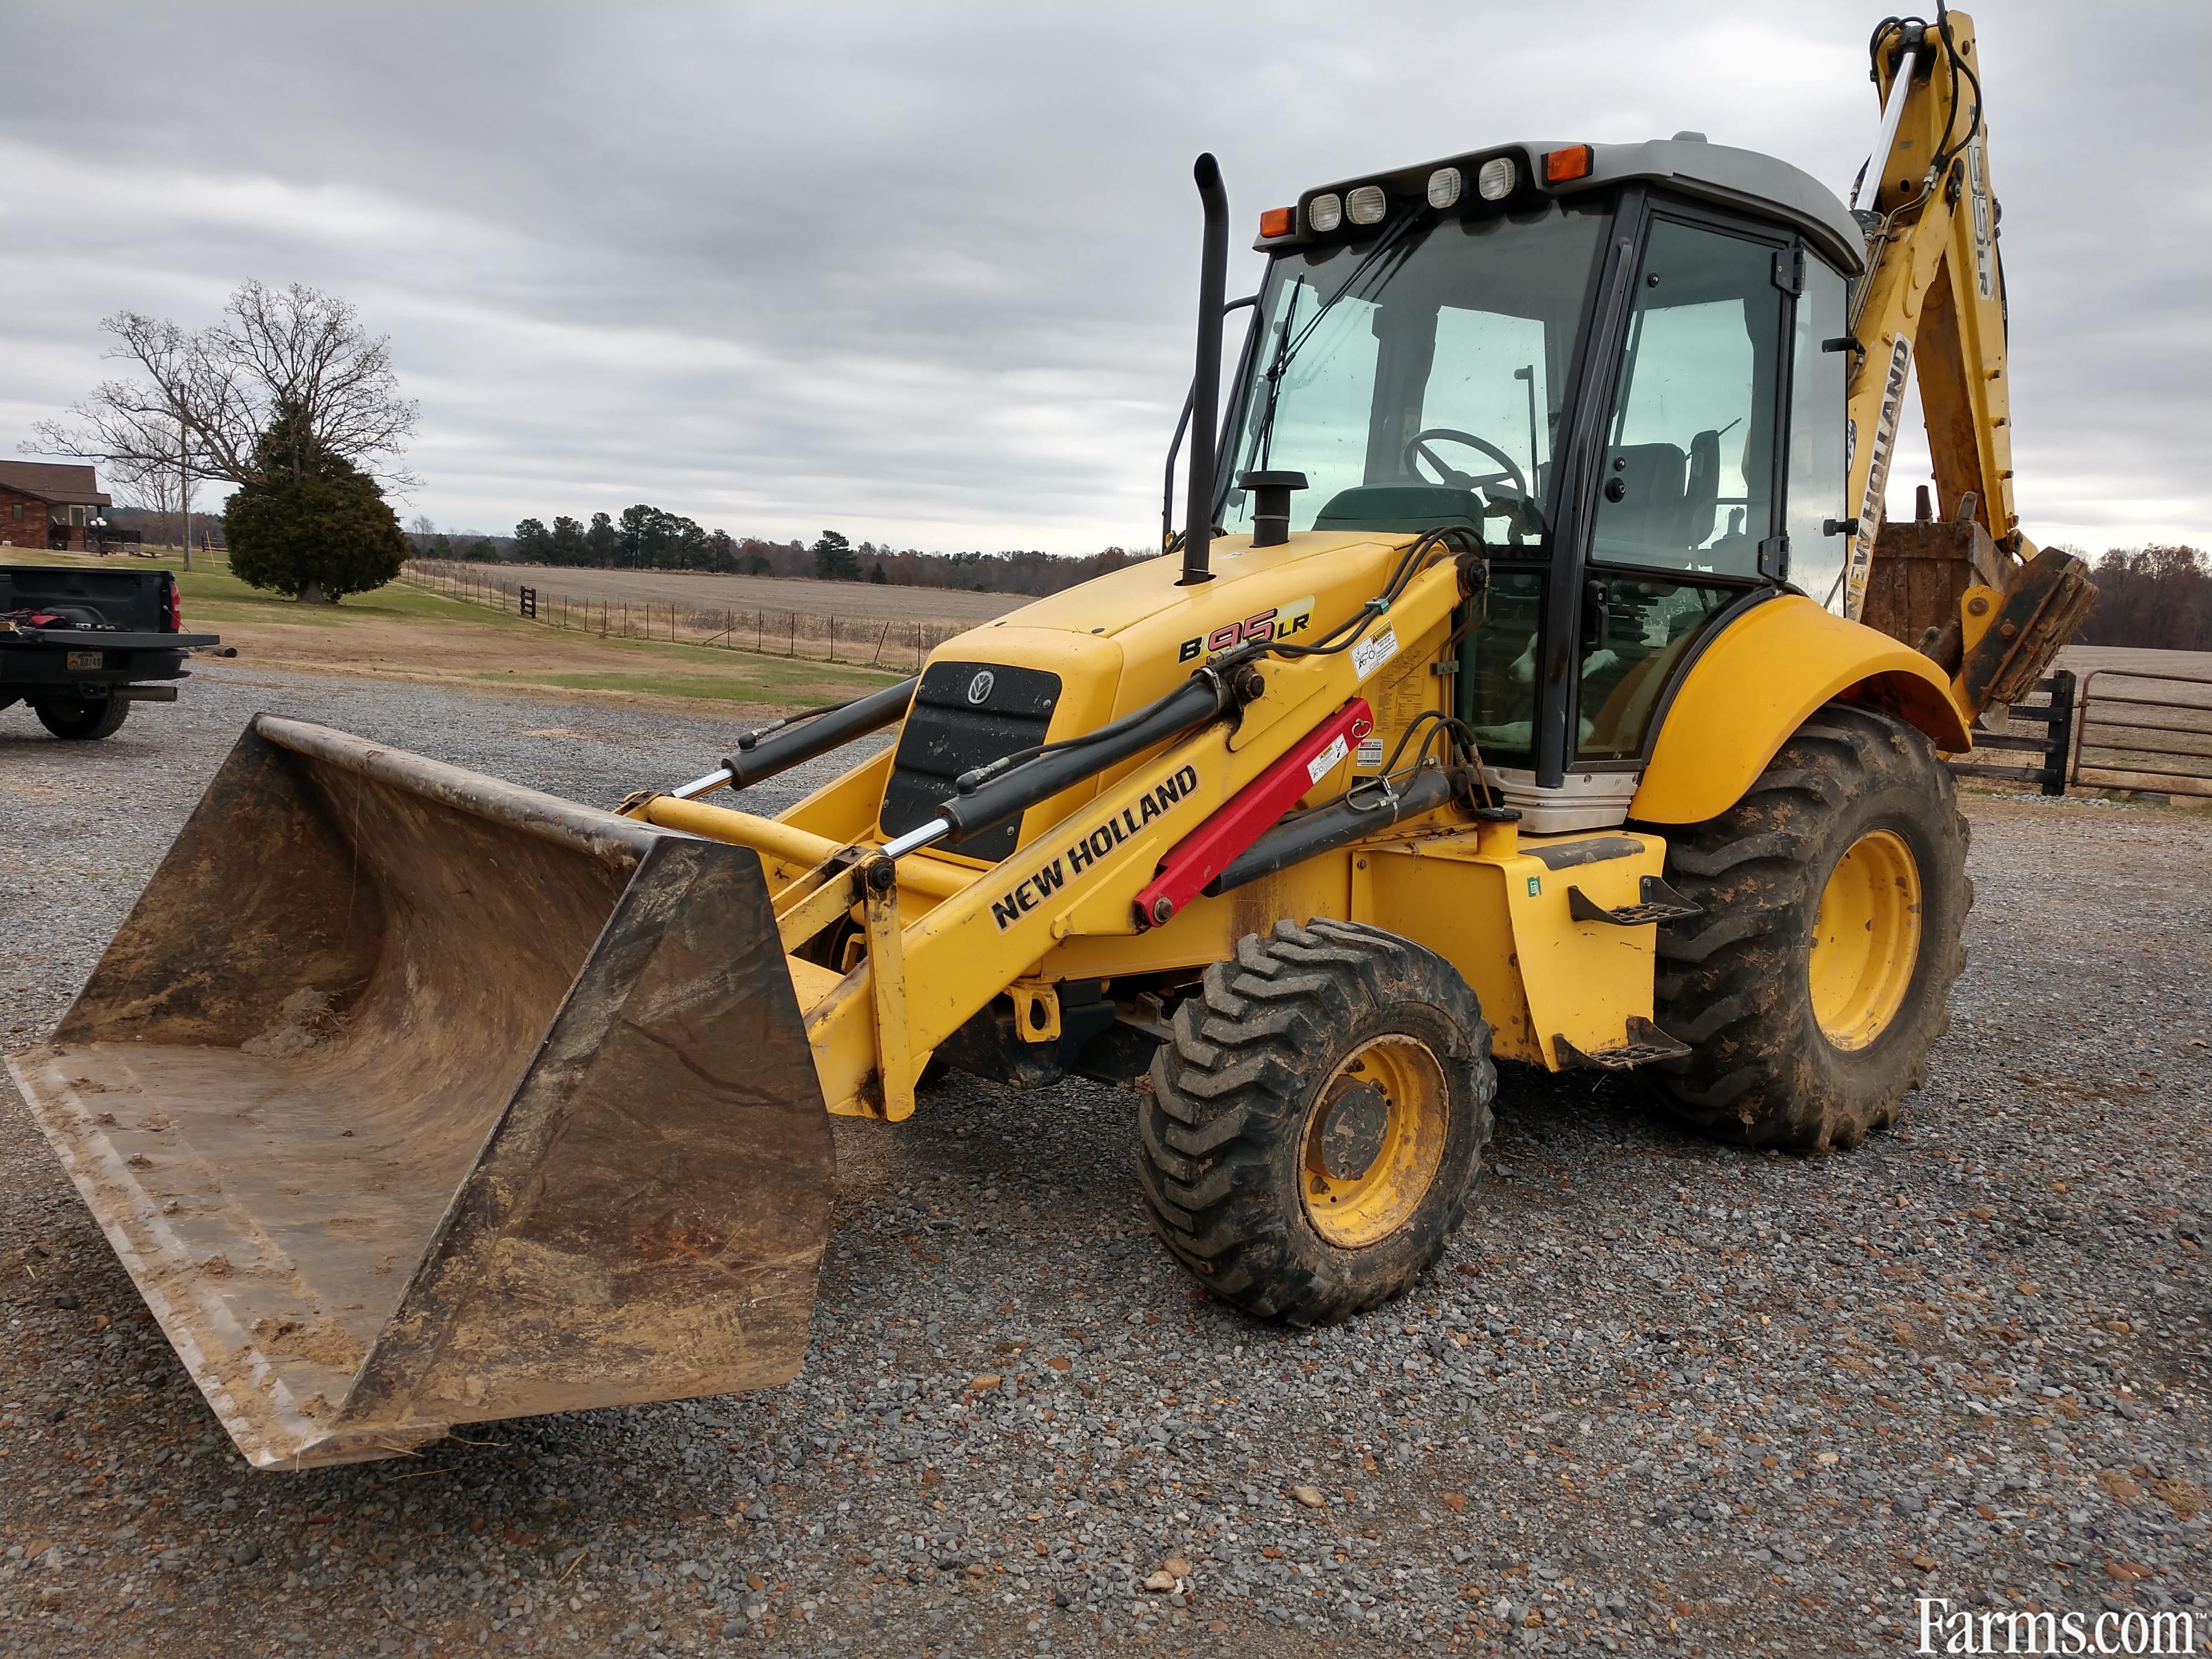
[925,273]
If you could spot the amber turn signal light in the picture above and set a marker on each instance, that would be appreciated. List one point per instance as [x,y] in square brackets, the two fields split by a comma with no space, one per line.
[1275,222]
[1562,166]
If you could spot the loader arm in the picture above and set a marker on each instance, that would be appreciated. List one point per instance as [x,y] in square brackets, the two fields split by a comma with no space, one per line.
[872,1027]
[1933,302]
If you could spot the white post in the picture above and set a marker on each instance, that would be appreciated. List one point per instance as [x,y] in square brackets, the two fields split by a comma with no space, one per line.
[185,484]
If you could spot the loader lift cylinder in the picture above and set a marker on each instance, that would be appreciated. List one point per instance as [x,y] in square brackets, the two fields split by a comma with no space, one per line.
[991,799]
[804,738]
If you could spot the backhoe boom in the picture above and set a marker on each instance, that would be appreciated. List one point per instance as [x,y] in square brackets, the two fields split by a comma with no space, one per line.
[1935,292]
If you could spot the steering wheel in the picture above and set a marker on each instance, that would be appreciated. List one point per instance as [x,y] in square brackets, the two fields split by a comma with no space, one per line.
[1417,450]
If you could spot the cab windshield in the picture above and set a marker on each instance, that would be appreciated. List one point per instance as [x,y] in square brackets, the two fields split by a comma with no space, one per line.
[1417,379]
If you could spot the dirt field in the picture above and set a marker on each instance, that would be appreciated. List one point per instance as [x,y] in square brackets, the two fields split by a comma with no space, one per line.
[861,601]
[1661,1396]
[2084,658]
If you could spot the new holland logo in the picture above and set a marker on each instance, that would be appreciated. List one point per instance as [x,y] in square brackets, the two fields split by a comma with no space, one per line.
[1032,890]
[1861,560]
[978,688]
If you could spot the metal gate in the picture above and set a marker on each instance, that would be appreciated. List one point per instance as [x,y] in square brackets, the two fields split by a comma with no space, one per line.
[2140,730]
[2051,746]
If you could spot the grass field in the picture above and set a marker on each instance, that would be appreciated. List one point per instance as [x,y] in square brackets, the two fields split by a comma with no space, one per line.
[405,632]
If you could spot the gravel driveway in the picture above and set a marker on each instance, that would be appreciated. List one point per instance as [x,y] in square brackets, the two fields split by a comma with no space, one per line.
[1661,1396]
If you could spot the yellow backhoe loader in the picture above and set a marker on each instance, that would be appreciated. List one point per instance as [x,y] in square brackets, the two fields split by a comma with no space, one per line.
[1508,693]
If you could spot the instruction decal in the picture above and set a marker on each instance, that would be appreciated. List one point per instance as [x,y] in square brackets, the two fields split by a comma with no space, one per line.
[1372,652]
[1328,760]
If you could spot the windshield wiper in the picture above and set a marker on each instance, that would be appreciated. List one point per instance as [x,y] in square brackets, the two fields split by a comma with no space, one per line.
[1286,348]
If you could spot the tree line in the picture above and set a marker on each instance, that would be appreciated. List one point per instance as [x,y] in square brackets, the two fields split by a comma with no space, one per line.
[2152,598]
[646,537]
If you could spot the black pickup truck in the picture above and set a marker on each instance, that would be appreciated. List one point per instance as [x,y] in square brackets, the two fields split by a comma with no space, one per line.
[79,644]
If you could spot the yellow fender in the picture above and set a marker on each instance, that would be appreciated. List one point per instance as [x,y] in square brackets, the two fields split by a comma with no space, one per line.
[1759,682]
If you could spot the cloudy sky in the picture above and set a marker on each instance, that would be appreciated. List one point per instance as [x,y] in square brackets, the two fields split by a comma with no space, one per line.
[925,272]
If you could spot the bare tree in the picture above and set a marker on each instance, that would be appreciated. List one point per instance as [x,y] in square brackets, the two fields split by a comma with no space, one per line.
[202,400]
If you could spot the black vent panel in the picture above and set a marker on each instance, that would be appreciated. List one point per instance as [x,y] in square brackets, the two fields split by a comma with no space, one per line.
[965,714]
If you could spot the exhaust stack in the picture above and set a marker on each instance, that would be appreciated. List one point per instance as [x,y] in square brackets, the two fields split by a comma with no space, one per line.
[1205,385]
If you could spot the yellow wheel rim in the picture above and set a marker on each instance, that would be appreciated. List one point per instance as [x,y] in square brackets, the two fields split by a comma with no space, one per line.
[1866,940]
[1373,1141]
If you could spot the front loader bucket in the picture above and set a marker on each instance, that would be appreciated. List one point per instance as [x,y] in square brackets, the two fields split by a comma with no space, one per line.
[410,1098]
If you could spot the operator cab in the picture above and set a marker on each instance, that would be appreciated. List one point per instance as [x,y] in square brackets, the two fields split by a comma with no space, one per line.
[1615,362]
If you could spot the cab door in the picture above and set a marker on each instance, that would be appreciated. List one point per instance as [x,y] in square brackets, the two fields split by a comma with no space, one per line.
[1692,519]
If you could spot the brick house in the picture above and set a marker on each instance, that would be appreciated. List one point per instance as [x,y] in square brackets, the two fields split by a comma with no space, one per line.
[50,506]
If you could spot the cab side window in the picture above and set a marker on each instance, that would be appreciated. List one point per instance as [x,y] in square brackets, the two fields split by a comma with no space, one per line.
[1819,456]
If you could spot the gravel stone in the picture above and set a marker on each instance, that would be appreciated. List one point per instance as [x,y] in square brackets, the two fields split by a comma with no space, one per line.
[1659,1396]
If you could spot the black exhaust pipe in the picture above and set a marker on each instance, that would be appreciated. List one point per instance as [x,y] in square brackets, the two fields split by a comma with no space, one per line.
[1206,387]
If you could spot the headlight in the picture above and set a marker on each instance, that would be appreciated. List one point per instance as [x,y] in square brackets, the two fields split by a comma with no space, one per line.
[1495,181]
[1444,187]
[1325,213]
[1367,205]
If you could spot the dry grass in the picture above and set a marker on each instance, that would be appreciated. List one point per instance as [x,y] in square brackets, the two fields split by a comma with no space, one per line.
[405,632]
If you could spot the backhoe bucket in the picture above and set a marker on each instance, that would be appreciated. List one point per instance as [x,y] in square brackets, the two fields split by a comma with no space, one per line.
[410,1098]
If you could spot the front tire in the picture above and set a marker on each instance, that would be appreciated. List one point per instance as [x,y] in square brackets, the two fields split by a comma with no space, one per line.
[1309,1137]
[1819,976]
[83,721]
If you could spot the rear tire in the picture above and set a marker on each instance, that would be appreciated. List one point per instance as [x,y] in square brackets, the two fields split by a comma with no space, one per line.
[82,721]
[1308,1139]
[1819,976]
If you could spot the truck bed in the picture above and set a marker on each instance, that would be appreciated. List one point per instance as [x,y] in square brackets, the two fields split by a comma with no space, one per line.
[118,632]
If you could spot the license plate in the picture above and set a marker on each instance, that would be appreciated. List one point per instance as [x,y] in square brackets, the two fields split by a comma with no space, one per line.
[84,659]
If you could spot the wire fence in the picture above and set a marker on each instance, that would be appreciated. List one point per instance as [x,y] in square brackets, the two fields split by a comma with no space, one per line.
[867,642]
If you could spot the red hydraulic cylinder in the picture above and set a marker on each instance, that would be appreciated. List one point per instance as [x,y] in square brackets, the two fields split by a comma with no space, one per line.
[1251,812]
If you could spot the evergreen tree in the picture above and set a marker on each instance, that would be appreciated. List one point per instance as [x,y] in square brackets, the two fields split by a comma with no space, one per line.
[833,558]
[565,545]
[600,541]
[313,527]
